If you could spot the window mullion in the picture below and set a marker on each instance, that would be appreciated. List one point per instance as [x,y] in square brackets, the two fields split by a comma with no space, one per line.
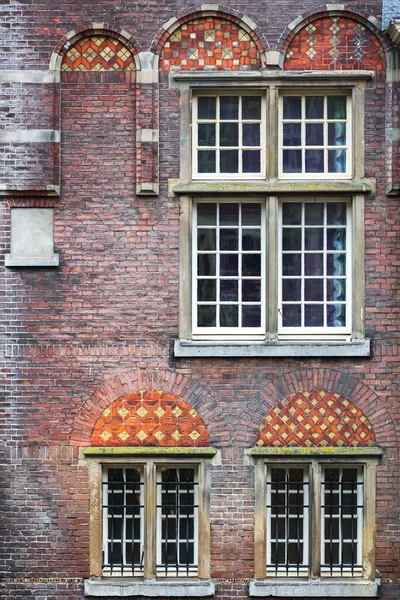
[150,520]
[315,531]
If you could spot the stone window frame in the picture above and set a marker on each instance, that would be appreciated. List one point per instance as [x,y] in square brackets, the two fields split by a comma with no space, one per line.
[272,190]
[150,459]
[315,585]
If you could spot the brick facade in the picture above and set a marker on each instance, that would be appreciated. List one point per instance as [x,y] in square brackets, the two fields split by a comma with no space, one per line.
[94,334]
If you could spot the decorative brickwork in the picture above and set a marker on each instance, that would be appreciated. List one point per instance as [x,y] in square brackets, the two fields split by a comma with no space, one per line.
[150,418]
[316,418]
[334,43]
[209,43]
[98,53]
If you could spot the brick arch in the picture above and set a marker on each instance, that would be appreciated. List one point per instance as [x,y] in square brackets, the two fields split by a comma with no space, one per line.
[328,380]
[120,43]
[205,39]
[327,39]
[315,418]
[165,381]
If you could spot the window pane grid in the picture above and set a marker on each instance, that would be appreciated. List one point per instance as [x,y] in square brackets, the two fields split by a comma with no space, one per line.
[122,522]
[177,518]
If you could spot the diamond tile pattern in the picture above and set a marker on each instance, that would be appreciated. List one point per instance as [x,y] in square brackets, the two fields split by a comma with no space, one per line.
[334,43]
[315,418]
[98,53]
[209,43]
[150,418]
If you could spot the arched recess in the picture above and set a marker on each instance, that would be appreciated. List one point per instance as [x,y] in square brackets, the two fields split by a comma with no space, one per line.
[334,39]
[171,387]
[217,40]
[329,381]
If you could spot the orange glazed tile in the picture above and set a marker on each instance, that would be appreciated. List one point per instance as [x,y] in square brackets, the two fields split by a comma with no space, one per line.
[315,418]
[98,53]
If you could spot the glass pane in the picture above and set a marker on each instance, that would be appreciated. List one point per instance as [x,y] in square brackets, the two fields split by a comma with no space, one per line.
[336,134]
[291,238]
[292,134]
[314,213]
[291,315]
[251,134]
[337,161]
[331,526]
[206,161]
[292,107]
[292,161]
[207,214]
[206,239]
[336,239]
[229,161]
[291,213]
[314,107]
[291,290]
[291,265]
[251,290]
[228,265]
[206,107]
[332,554]
[251,265]
[206,264]
[228,107]
[296,530]
[336,315]
[251,316]
[313,315]
[314,238]
[228,239]
[206,316]
[228,134]
[314,134]
[251,107]
[206,134]
[336,107]
[336,213]
[314,161]
[336,290]
[206,290]
[229,290]
[251,161]
[314,290]
[229,315]
[251,239]
[278,557]
[251,214]
[313,264]
[229,213]
[336,264]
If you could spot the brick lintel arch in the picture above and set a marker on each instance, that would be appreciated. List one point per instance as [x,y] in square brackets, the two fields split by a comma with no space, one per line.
[163,380]
[328,380]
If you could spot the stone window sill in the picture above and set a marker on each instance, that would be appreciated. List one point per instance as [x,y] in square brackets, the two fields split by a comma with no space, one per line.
[280,349]
[30,261]
[149,588]
[315,588]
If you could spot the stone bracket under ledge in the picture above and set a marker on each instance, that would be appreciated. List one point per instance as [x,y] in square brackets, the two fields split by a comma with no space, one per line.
[315,588]
[150,588]
[247,349]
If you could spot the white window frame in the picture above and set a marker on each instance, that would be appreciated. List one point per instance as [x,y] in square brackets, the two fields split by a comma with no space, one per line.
[262,147]
[349,134]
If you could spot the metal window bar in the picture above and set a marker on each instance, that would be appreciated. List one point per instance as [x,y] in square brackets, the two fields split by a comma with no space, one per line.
[177,517]
[288,511]
[123,523]
[342,503]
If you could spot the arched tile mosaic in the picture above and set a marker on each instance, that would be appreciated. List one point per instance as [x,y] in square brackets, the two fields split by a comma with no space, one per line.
[334,43]
[315,418]
[210,43]
[98,53]
[150,418]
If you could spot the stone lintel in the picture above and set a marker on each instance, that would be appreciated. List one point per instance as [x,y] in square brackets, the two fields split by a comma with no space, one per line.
[150,450]
[316,451]
[364,186]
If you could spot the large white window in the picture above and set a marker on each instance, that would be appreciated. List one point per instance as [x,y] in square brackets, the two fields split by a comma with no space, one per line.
[228,136]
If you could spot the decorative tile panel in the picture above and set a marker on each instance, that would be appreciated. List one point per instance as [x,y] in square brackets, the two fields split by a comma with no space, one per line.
[334,43]
[98,53]
[209,43]
[150,418]
[315,418]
